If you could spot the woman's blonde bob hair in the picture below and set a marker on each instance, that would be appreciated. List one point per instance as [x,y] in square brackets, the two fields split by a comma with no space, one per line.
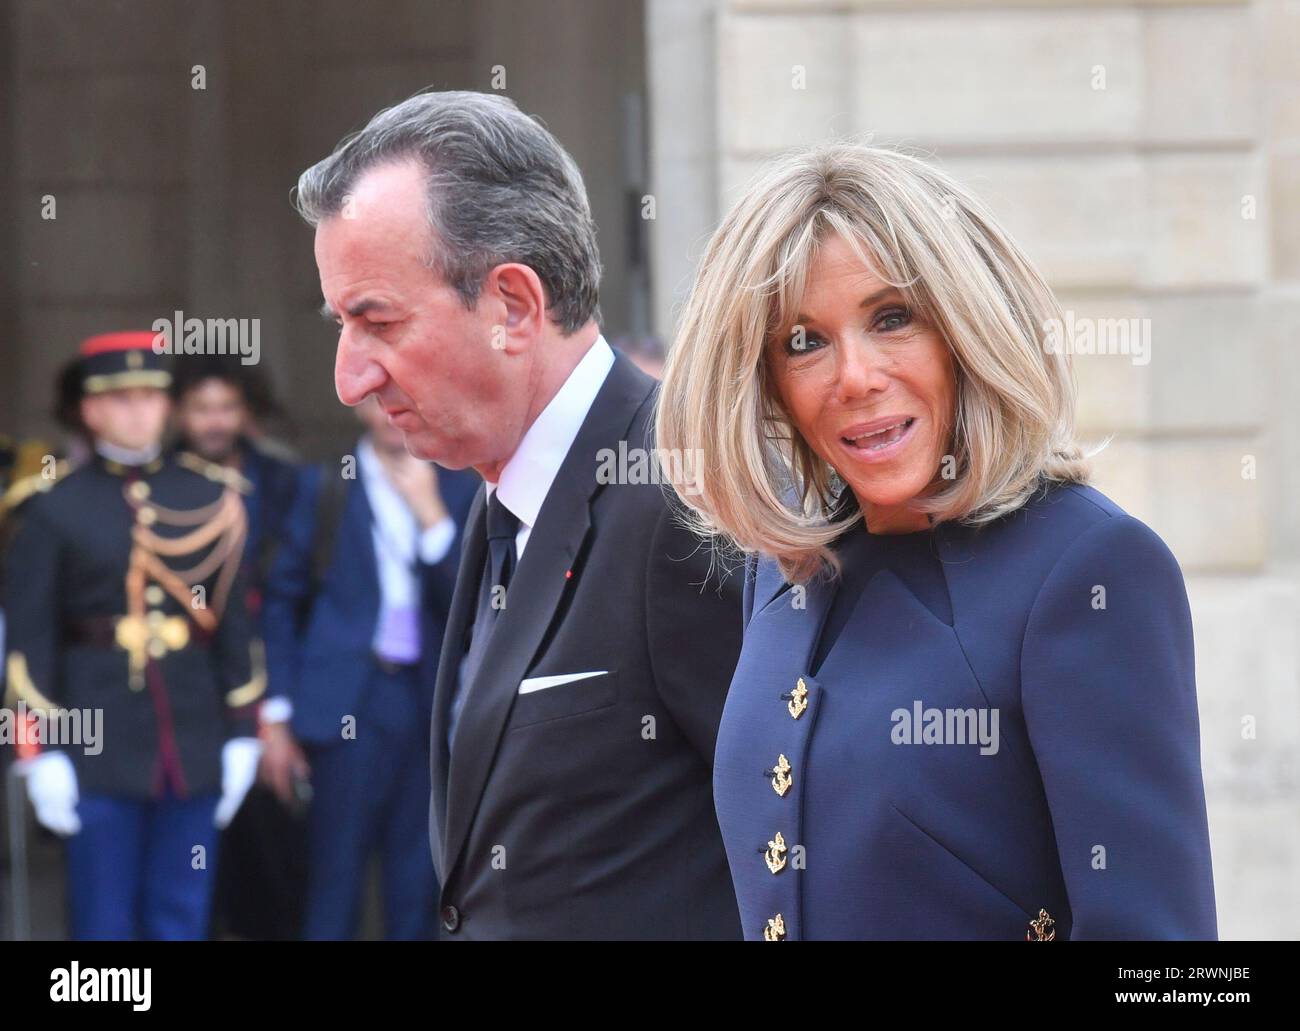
[754,481]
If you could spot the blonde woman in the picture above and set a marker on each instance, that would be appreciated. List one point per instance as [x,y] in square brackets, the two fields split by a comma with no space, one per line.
[965,706]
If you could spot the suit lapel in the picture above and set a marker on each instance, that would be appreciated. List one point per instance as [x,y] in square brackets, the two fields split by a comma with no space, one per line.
[459,619]
[534,598]
[357,523]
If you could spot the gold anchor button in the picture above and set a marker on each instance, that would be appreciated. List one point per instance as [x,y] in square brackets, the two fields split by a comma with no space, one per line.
[775,929]
[139,490]
[146,515]
[1042,929]
[775,854]
[781,779]
[798,702]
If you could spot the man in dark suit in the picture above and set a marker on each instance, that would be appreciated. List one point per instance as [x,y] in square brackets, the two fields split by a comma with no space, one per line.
[589,646]
[356,602]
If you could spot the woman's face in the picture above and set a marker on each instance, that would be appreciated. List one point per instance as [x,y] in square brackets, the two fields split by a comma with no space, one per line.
[869,385]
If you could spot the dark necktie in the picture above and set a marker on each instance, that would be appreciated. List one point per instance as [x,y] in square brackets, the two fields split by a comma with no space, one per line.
[502,527]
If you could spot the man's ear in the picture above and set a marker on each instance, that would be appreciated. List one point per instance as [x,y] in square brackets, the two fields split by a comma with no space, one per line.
[520,299]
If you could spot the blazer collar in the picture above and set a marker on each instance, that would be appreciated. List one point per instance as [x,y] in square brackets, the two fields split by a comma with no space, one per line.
[792,614]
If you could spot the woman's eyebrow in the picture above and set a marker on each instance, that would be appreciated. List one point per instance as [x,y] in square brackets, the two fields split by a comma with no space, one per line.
[878,296]
[866,302]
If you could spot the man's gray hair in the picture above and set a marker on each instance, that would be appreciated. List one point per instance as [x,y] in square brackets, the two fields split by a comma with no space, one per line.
[500,189]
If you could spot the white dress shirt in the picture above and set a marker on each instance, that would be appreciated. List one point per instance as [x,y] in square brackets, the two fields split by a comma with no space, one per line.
[526,478]
[397,537]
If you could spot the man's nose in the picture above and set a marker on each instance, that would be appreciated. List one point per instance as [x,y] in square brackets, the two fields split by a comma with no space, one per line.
[860,370]
[356,374]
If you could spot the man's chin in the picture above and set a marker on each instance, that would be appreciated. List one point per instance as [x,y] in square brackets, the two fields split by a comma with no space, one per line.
[419,445]
[213,454]
[428,449]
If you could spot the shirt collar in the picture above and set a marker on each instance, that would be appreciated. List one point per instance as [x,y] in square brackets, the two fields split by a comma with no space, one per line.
[379,488]
[527,477]
[367,460]
[123,456]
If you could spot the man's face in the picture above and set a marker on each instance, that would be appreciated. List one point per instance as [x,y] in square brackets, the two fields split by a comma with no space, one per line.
[405,336]
[210,418]
[132,418]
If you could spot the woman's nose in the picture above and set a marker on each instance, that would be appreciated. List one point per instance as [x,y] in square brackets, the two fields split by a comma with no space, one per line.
[356,373]
[859,370]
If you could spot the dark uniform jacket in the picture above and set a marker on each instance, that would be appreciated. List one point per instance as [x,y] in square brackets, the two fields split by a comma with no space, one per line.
[176,678]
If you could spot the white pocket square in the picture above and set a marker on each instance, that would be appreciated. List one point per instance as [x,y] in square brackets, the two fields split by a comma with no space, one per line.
[542,683]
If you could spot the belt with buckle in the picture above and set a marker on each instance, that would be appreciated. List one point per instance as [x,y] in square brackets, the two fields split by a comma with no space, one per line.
[102,631]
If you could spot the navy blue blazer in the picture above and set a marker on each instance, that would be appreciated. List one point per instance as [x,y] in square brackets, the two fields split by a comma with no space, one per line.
[1069,619]
[322,665]
[267,505]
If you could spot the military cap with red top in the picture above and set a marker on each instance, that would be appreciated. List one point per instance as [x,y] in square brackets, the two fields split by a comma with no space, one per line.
[115,361]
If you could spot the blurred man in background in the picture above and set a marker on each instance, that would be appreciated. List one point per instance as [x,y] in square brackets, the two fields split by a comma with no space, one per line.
[216,399]
[645,352]
[355,607]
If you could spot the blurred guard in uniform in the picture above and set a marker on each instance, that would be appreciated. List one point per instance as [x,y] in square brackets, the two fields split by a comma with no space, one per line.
[125,600]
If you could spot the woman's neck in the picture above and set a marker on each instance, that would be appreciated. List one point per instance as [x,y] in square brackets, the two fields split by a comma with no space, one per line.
[894,519]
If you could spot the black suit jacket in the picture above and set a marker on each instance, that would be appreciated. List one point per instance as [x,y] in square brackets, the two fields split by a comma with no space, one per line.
[585,810]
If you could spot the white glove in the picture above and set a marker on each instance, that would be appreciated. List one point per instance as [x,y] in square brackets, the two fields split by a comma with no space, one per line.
[239,757]
[52,787]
